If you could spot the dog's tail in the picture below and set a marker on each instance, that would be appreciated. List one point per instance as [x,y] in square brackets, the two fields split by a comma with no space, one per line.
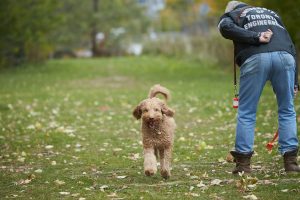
[158,89]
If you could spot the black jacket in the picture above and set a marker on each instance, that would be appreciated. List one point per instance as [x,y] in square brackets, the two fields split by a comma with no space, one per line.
[243,26]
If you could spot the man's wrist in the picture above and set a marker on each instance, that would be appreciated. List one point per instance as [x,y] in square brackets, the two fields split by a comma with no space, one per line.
[258,37]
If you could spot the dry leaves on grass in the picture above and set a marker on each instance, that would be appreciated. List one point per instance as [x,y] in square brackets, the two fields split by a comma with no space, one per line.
[246,183]
[26,181]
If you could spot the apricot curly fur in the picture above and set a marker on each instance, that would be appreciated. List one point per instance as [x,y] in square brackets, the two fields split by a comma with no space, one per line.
[157,127]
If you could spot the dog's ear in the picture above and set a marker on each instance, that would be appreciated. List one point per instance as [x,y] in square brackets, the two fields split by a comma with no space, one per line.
[167,111]
[137,112]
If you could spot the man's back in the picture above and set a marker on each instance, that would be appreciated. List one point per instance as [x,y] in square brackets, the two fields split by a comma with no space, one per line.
[252,21]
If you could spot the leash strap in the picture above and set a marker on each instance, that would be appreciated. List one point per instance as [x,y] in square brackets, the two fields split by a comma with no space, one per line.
[296,73]
[234,77]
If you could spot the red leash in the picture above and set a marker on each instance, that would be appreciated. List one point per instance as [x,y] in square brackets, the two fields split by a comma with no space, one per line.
[270,145]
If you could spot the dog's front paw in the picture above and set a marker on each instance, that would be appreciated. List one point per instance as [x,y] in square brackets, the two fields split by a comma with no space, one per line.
[150,172]
[165,174]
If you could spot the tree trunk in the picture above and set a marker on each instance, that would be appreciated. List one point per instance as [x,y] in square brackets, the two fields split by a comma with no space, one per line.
[94,29]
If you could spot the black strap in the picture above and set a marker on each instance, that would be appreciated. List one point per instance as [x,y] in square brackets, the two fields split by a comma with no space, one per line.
[296,73]
[234,77]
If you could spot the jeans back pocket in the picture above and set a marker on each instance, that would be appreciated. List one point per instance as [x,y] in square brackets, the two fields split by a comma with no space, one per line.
[250,66]
[287,60]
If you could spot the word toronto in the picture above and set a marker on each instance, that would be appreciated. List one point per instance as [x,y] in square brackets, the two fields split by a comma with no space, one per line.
[262,18]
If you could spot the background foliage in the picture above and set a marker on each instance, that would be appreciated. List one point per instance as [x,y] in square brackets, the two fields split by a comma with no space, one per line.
[25,29]
[32,30]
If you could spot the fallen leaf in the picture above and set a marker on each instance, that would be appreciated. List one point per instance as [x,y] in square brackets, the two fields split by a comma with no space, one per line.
[267,182]
[112,195]
[192,194]
[75,194]
[229,158]
[194,177]
[64,193]
[121,177]
[49,147]
[117,149]
[251,197]
[201,185]
[216,182]
[59,182]
[38,171]
[23,182]
[103,187]
[31,127]
[21,159]
[205,175]
[134,156]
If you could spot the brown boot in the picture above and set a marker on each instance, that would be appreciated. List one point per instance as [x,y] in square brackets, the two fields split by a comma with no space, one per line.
[242,162]
[290,161]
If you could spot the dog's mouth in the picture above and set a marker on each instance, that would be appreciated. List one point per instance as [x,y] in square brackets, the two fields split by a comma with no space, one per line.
[153,124]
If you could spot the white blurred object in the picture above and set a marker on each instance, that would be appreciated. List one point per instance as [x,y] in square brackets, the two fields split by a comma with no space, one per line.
[135,49]
[84,53]
[100,36]
[152,35]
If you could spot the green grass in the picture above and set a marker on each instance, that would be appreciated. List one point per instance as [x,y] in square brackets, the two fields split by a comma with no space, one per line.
[71,121]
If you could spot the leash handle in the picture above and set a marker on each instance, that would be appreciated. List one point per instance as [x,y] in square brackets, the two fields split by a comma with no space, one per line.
[235,103]
[270,144]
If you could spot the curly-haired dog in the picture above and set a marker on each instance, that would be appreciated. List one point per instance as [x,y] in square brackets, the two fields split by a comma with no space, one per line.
[158,126]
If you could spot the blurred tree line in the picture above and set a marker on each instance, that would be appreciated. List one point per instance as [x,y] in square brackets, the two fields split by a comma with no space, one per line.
[24,29]
[30,30]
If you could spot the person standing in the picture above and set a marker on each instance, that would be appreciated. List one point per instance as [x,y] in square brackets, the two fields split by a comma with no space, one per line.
[265,52]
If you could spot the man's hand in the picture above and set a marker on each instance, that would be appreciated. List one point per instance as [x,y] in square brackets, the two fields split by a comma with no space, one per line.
[265,37]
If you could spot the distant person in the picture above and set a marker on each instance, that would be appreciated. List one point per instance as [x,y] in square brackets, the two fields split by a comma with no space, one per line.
[264,51]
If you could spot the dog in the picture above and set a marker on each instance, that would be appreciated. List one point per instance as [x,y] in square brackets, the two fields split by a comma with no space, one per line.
[157,127]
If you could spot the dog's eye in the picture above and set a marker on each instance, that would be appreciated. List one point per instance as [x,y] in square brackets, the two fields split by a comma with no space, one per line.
[156,110]
[146,110]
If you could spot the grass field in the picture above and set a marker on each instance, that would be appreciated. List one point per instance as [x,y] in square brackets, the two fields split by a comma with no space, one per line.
[67,132]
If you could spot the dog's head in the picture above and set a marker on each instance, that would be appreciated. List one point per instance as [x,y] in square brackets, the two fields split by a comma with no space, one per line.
[151,111]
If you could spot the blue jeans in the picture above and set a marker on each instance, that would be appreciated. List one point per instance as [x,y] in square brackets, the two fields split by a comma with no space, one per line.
[279,68]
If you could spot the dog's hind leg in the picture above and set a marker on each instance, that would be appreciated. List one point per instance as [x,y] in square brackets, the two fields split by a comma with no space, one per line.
[150,166]
[165,162]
